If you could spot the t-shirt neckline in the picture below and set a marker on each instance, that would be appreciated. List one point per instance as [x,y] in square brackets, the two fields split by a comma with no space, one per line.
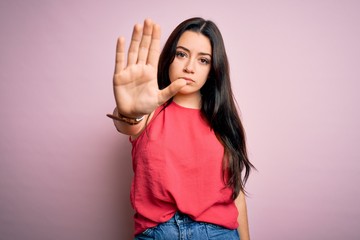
[178,105]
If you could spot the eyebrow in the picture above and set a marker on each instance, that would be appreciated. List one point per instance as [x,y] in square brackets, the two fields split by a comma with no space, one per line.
[200,53]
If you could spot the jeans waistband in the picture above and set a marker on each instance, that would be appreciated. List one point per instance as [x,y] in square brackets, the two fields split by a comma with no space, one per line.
[180,218]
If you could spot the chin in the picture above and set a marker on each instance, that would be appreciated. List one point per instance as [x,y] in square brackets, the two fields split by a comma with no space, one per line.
[187,90]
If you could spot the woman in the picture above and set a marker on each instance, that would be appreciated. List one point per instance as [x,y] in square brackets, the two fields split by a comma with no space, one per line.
[188,142]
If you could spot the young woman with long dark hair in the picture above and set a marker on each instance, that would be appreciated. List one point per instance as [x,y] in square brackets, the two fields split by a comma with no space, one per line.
[189,151]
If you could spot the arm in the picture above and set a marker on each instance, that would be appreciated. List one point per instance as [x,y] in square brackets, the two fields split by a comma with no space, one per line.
[128,129]
[135,85]
[243,228]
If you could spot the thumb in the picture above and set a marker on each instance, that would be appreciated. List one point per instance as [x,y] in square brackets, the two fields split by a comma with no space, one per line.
[168,92]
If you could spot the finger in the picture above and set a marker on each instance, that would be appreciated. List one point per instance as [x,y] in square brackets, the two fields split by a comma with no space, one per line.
[145,41]
[120,55]
[154,51]
[134,45]
[171,90]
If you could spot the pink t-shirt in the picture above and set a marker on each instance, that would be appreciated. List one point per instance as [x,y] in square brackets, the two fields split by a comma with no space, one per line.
[177,164]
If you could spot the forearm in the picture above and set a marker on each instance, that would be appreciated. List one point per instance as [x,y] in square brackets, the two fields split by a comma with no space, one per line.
[243,228]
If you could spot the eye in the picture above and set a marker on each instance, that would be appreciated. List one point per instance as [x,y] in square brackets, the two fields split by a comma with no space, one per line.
[180,54]
[204,61]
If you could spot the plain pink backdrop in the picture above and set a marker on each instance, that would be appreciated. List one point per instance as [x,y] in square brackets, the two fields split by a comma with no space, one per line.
[65,172]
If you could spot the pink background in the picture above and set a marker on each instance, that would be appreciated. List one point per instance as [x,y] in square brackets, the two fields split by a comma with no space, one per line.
[65,172]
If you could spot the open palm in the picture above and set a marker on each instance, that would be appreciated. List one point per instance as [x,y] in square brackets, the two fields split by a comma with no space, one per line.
[135,84]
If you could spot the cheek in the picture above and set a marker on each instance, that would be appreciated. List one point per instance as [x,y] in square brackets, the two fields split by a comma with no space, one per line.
[205,73]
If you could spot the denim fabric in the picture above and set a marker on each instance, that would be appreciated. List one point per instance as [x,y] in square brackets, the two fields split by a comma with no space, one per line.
[181,227]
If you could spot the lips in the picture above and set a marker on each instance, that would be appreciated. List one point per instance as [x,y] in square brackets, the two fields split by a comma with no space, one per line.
[188,79]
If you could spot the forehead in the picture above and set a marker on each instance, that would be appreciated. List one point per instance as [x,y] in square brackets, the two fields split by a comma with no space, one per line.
[195,42]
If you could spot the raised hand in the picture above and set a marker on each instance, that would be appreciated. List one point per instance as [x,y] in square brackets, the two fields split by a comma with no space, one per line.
[135,84]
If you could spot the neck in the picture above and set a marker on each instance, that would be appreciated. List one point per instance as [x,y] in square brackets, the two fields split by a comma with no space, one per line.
[188,100]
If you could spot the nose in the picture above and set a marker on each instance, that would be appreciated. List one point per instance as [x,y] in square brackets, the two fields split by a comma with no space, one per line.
[189,68]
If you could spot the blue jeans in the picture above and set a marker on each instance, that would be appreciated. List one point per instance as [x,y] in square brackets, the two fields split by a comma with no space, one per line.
[181,227]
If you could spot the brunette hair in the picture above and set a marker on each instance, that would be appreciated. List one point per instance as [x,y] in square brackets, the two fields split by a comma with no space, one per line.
[218,104]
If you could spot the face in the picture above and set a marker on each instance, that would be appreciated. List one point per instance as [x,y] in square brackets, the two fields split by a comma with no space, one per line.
[192,61]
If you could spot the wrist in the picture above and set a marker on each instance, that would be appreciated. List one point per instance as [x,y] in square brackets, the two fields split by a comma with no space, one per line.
[122,118]
[130,120]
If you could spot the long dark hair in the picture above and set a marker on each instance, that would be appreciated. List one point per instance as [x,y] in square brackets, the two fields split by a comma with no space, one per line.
[218,104]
